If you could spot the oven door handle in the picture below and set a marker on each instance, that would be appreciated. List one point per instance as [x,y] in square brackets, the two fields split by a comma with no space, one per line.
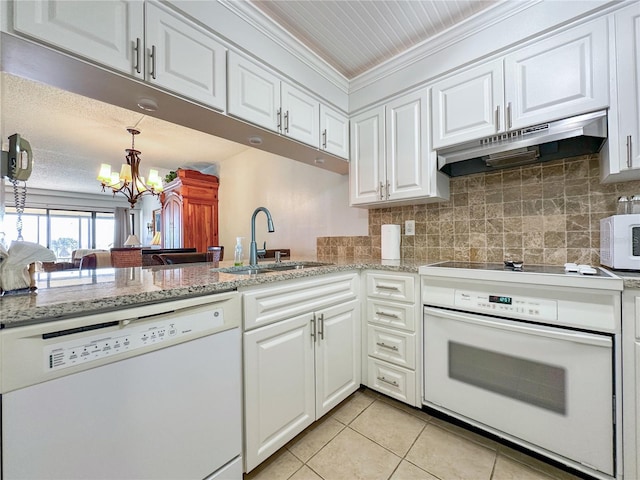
[516,326]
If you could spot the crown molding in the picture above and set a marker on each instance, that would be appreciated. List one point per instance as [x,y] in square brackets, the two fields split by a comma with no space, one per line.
[265,25]
[454,34]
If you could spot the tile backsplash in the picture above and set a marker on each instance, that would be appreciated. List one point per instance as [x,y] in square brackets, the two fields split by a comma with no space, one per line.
[542,214]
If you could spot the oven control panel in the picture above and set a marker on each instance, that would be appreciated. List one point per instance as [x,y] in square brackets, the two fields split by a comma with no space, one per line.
[527,308]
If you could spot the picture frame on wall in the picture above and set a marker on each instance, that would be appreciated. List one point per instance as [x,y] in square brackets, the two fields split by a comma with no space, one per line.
[157,220]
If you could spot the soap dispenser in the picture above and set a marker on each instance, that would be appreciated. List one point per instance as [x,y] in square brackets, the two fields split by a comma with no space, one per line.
[237,257]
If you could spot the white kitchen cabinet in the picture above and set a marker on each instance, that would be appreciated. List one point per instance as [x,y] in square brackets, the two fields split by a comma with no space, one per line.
[157,45]
[621,158]
[468,105]
[391,160]
[262,98]
[631,382]
[563,75]
[367,166]
[184,58]
[334,132]
[392,345]
[302,357]
[105,31]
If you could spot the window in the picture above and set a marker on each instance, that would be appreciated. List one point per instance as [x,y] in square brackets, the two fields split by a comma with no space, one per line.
[61,230]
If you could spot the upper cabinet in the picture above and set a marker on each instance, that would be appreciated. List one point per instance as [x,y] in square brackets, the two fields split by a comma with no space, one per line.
[622,157]
[184,58]
[262,98]
[163,48]
[334,132]
[563,75]
[468,105]
[110,32]
[391,160]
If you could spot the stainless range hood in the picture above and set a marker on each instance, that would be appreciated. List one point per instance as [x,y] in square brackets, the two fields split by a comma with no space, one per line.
[570,137]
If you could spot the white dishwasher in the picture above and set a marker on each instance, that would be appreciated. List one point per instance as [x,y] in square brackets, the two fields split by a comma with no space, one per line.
[151,392]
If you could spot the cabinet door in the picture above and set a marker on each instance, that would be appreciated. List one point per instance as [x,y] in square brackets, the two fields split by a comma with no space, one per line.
[407,152]
[468,105]
[561,76]
[300,116]
[367,176]
[337,355]
[278,386]
[334,132]
[184,58]
[627,23]
[254,93]
[172,221]
[105,31]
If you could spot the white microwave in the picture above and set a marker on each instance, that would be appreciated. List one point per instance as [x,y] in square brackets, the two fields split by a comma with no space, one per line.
[620,242]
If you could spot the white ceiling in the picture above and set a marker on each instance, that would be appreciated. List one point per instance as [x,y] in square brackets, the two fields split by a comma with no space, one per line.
[354,36]
[72,135]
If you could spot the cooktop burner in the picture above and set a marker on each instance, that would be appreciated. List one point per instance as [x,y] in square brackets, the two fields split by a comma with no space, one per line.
[518,267]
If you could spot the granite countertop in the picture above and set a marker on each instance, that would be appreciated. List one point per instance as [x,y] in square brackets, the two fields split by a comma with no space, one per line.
[71,293]
[631,279]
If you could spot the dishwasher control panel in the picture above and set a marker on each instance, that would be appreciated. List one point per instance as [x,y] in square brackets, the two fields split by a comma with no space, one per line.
[541,309]
[129,337]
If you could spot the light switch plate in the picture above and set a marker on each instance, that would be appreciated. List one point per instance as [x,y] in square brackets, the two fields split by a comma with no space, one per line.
[410,227]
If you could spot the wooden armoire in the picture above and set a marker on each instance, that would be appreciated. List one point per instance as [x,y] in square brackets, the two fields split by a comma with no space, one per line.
[190,211]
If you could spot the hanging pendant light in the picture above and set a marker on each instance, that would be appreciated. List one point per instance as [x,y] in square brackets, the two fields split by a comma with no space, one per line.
[128,181]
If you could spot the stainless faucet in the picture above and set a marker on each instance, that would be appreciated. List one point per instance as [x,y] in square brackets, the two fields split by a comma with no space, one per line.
[253,249]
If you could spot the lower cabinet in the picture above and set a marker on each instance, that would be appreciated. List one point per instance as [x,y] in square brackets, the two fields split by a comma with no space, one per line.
[631,382]
[299,367]
[392,344]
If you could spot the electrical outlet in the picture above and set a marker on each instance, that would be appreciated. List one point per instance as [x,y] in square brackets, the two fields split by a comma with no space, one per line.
[410,227]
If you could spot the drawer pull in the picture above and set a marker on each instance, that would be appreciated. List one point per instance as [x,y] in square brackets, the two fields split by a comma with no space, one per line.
[385,314]
[321,326]
[390,347]
[387,287]
[390,382]
[313,327]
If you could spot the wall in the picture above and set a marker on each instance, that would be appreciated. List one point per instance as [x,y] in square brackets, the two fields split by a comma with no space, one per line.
[543,214]
[305,202]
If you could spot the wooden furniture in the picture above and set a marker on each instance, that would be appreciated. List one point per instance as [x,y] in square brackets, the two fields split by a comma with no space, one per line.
[190,211]
[126,257]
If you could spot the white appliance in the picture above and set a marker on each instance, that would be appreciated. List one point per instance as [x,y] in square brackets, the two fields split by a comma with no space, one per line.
[144,393]
[531,356]
[620,242]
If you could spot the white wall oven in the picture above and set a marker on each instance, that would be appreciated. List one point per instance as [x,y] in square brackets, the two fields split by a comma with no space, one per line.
[531,356]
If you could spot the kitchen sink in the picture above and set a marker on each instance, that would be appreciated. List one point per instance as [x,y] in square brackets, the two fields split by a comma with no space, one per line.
[278,267]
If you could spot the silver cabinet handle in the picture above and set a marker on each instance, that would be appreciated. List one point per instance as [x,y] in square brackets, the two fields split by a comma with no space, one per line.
[286,122]
[136,49]
[628,151]
[390,382]
[509,116]
[313,327]
[381,191]
[386,314]
[387,287]
[390,347]
[321,326]
[279,119]
[152,56]
[324,138]
[498,118]
[388,190]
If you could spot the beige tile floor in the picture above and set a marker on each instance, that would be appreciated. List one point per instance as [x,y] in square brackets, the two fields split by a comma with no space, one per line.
[371,437]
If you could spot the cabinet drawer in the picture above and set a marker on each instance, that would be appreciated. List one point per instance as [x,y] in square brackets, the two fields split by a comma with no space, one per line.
[266,305]
[393,346]
[396,287]
[391,314]
[397,382]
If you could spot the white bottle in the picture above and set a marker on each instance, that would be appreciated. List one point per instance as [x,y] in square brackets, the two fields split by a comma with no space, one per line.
[237,257]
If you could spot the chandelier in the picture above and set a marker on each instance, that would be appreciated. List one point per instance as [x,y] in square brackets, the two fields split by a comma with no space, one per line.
[128,181]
